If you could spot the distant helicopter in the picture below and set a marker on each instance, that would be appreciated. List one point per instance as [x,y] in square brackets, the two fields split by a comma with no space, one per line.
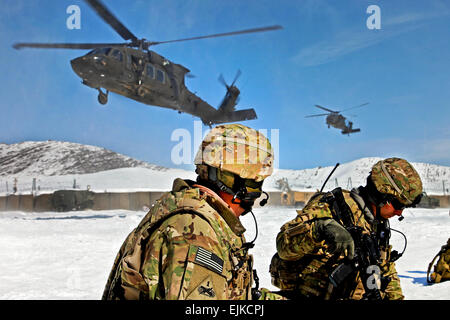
[337,120]
[144,75]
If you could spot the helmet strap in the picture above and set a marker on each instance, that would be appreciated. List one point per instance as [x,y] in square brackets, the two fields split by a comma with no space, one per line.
[213,183]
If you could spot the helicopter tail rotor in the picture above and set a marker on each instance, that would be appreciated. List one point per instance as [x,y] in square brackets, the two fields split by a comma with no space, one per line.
[238,73]
[222,80]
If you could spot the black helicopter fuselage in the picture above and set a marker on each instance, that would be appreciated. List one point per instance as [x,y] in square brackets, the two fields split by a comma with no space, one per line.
[150,78]
[143,76]
[336,120]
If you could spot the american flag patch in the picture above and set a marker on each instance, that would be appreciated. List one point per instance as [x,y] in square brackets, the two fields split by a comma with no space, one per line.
[209,260]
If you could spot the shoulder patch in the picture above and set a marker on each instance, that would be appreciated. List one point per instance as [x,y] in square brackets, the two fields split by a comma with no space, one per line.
[209,260]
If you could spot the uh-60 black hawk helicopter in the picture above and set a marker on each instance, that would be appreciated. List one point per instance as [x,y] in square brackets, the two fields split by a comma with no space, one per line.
[337,120]
[144,75]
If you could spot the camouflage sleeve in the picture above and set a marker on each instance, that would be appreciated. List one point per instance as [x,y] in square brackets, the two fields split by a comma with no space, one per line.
[266,294]
[168,269]
[296,239]
[393,290]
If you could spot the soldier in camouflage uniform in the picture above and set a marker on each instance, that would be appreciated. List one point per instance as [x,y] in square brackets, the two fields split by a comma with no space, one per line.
[313,244]
[190,245]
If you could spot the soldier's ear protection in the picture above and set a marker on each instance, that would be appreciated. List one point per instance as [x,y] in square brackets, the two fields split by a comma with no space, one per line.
[263,202]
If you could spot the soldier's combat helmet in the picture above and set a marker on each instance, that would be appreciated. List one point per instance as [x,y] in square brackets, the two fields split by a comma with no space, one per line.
[396,181]
[236,159]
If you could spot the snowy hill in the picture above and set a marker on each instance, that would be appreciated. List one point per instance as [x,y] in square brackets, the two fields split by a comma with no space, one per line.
[354,173]
[61,165]
[50,158]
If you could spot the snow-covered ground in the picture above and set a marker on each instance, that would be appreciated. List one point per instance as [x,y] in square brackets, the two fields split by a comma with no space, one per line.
[69,255]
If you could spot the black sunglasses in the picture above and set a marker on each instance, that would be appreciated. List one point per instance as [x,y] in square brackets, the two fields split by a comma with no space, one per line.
[397,204]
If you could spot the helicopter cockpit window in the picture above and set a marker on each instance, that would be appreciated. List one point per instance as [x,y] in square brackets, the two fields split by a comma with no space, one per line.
[97,51]
[159,75]
[117,54]
[150,71]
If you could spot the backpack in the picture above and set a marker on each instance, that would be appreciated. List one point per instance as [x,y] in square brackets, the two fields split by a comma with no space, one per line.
[441,269]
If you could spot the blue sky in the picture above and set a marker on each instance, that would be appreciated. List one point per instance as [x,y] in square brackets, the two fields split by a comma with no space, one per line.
[324,55]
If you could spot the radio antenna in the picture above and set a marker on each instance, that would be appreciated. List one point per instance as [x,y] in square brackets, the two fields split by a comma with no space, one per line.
[331,173]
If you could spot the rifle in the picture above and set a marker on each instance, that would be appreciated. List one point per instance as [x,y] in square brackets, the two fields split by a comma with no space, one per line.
[366,260]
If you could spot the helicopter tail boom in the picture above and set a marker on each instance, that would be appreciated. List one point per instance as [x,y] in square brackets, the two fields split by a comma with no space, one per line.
[350,129]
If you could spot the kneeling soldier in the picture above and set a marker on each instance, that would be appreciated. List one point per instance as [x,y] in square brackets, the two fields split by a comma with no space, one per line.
[338,245]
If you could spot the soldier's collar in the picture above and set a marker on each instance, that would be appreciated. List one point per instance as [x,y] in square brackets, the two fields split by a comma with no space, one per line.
[215,201]
[222,208]
[180,184]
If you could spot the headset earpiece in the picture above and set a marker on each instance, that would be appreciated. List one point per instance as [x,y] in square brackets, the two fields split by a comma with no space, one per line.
[263,202]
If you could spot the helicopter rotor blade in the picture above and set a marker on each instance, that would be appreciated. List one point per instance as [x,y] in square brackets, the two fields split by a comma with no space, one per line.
[317,115]
[263,29]
[222,81]
[21,45]
[110,19]
[238,73]
[323,108]
[361,105]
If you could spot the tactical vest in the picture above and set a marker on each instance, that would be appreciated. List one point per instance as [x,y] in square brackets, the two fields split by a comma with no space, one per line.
[441,269]
[308,277]
[237,263]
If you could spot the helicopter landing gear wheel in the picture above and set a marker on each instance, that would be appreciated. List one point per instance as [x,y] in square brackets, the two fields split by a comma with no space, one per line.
[102,97]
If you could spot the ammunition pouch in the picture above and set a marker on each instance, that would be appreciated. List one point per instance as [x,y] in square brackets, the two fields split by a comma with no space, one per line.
[302,278]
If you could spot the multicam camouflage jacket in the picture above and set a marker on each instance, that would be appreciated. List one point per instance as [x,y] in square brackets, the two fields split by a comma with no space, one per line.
[302,264]
[188,246]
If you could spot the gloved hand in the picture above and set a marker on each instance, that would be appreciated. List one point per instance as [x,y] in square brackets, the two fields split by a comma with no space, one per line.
[265,294]
[336,237]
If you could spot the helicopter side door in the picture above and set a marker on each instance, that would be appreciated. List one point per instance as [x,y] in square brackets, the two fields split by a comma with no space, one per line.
[117,60]
[130,72]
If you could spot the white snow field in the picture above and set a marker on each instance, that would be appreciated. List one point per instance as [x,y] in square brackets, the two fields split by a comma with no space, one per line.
[69,255]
